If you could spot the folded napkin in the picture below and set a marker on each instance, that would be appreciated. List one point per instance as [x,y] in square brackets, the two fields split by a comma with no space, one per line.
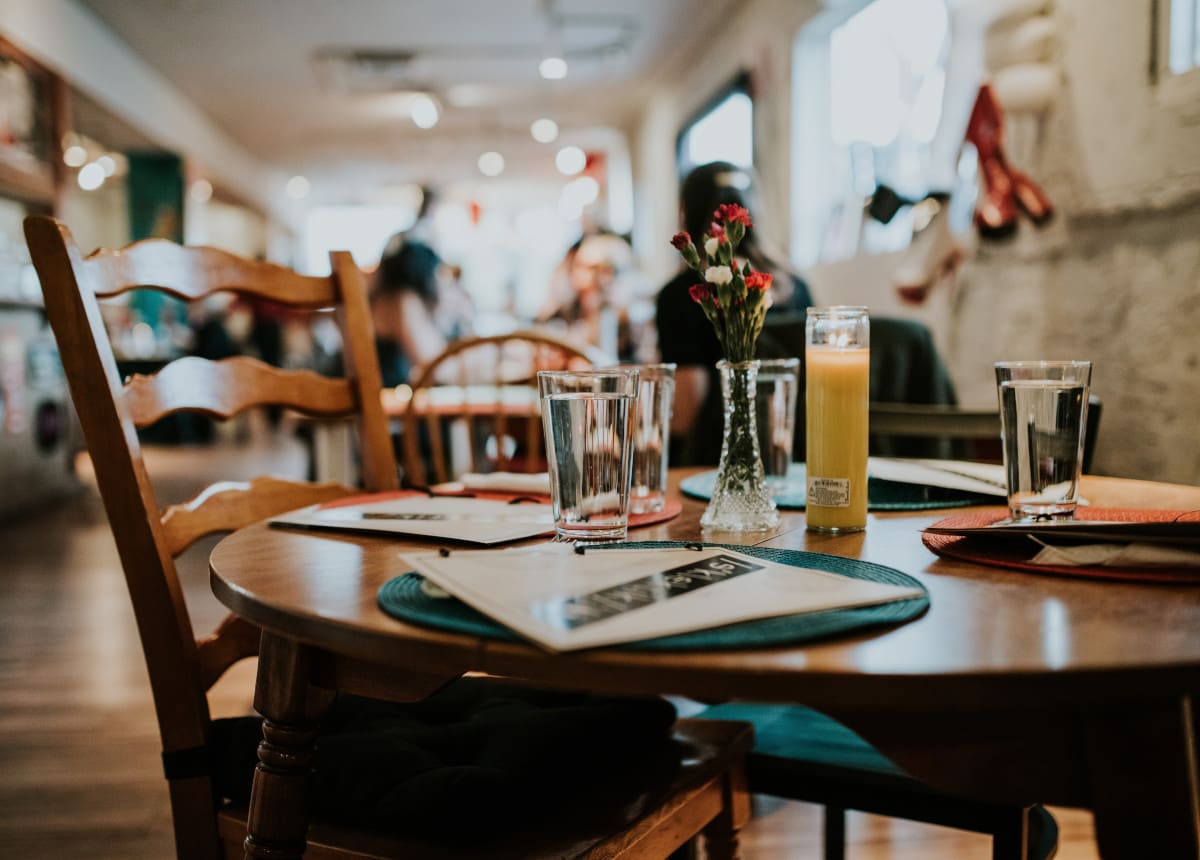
[535,484]
[1116,555]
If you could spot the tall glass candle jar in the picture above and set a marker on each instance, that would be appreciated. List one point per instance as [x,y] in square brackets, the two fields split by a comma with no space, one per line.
[837,373]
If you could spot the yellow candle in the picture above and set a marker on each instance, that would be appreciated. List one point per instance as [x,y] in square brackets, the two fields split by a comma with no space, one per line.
[837,391]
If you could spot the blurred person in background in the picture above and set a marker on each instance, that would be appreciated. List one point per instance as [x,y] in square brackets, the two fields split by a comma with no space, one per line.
[686,337]
[594,297]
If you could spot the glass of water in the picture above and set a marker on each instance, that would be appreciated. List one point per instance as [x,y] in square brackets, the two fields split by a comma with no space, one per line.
[1043,413]
[776,398]
[587,416]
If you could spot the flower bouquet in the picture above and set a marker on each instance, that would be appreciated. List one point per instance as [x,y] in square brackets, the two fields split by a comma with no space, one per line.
[735,300]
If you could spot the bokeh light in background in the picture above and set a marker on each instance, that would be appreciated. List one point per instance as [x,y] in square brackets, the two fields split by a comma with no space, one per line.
[570,160]
[544,130]
[424,112]
[298,187]
[491,163]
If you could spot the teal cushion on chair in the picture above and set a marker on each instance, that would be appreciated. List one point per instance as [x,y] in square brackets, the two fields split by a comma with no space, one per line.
[796,732]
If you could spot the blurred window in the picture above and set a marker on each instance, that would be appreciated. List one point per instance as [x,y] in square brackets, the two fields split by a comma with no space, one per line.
[870,99]
[1184,53]
[723,130]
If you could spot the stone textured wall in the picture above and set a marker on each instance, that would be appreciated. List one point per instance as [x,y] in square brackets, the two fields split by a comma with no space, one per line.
[1116,277]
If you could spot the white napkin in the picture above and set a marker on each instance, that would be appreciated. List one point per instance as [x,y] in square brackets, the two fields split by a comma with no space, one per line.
[1116,555]
[535,484]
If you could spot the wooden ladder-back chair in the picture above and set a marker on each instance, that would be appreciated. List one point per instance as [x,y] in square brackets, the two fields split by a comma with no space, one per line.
[705,796]
[483,383]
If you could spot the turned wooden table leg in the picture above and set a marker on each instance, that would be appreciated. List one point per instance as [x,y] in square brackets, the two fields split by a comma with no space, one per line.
[1144,782]
[277,822]
[721,834]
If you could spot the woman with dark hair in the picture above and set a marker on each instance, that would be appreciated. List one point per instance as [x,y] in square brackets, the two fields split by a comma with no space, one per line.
[404,299]
[685,337]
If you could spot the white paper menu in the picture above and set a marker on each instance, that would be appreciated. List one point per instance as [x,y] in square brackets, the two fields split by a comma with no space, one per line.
[565,601]
[480,521]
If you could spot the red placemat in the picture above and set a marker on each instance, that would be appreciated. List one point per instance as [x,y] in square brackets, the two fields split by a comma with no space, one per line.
[1016,554]
[672,509]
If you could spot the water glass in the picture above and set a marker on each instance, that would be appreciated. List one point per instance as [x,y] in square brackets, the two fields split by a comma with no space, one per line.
[1043,413]
[587,416]
[778,392]
[651,437]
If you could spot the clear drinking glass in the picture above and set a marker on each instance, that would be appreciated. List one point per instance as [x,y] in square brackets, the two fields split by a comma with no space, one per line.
[778,391]
[651,437]
[1043,413]
[587,416]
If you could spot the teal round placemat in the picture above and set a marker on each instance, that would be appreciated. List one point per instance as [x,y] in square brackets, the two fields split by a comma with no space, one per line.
[403,597]
[881,495]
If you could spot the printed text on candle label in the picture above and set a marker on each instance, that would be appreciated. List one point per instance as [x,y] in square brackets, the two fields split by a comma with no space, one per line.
[829,492]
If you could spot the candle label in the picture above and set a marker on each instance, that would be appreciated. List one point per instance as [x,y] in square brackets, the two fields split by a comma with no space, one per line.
[829,492]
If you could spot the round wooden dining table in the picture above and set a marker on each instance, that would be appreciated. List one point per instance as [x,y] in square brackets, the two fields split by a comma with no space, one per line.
[1014,686]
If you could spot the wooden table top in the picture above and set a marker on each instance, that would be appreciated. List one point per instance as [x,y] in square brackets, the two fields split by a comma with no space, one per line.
[991,636]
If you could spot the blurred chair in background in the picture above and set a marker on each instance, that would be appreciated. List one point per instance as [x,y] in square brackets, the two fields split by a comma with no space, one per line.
[474,408]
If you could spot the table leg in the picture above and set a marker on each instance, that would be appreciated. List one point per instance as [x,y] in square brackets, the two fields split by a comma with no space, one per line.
[277,821]
[1144,782]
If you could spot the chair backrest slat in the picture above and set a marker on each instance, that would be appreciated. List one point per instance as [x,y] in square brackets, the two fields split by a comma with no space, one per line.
[230,505]
[194,273]
[224,388]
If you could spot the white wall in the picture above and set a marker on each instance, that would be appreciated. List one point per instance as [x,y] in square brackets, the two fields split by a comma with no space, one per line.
[1116,277]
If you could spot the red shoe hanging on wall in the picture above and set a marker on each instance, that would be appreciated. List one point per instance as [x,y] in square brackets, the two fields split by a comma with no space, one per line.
[1004,188]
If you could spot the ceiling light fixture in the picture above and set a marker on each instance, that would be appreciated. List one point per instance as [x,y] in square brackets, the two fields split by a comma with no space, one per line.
[552,68]
[201,191]
[570,160]
[491,163]
[75,156]
[91,176]
[544,130]
[298,187]
[424,112]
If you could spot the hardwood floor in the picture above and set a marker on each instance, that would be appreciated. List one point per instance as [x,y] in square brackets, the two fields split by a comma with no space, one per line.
[80,774]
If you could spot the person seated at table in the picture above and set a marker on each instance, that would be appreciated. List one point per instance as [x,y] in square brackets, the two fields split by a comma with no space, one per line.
[594,295]
[686,337]
[415,311]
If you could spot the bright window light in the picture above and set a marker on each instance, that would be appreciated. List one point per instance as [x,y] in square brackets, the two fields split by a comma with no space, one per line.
[725,133]
[1185,35]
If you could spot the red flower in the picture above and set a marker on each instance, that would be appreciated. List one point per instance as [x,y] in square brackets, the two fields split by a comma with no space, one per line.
[681,240]
[701,293]
[731,213]
[716,231]
[758,281]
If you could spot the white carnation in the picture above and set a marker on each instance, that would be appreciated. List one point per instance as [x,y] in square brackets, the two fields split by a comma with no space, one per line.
[719,275]
[711,244]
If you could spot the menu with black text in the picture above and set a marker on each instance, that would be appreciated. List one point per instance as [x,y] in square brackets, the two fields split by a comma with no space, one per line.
[565,600]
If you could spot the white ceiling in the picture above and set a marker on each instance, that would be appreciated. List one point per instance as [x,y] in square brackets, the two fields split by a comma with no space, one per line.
[267,73]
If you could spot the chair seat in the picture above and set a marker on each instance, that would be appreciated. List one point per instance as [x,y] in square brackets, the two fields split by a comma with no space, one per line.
[801,734]
[693,796]
[802,754]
